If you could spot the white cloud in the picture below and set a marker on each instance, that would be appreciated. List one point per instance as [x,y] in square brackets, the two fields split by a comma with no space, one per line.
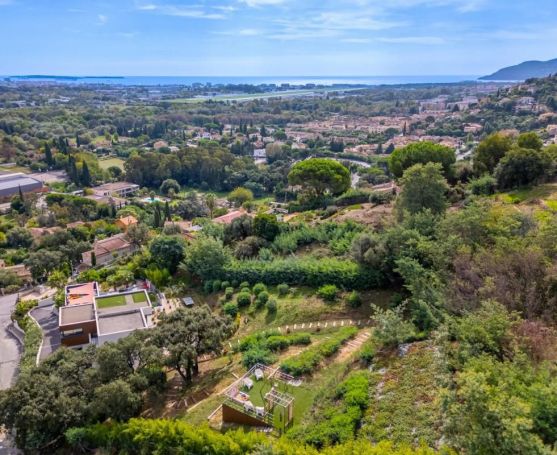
[249,32]
[194,11]
[258,3]
[102,19]
[433,40]
[356,40]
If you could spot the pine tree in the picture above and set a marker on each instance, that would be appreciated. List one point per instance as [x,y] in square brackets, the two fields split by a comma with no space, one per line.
[85,175]
[48,154]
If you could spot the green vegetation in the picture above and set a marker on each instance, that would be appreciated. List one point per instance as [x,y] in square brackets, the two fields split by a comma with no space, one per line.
[111,301]
[139,297]
[448,269]
[308,360]
[141,435]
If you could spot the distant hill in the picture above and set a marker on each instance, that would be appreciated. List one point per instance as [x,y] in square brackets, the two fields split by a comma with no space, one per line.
[523,71]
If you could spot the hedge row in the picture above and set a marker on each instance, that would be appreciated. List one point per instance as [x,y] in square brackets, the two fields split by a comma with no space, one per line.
[307,361]
[352,197]
[162,436]
[305,271]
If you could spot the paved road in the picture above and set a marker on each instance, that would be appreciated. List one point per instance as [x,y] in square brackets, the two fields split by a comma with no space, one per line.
[10,350]
[47,317]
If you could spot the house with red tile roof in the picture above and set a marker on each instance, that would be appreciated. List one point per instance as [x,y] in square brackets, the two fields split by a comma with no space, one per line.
[230,216]
[108,250]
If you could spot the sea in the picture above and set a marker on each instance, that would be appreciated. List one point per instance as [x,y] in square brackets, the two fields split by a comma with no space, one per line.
[239,80]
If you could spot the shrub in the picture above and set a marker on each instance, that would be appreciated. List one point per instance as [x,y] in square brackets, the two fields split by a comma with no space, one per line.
[257,355]
[246,289]
[216,286]
[228,293]
[352,197]
[483,186]
[262,299]
[259,288]
[277,343]
[300,338]
[328,292]
[381,197]
[244,284]
[272,306]
[231,309]
[208,287]
[354,299]
[283,289]
[243,299]
[224,285]
[367,353]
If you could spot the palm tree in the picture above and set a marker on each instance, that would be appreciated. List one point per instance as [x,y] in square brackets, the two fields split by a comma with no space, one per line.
[211,203]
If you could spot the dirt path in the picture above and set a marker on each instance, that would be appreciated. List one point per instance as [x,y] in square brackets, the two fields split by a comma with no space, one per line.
[353,345]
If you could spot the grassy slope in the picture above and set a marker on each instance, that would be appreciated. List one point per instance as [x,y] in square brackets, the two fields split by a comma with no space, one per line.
[405,404]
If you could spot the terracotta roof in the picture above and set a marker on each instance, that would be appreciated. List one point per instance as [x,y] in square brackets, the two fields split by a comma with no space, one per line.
[128,220]
[81,294]
[110,244]
[229,217]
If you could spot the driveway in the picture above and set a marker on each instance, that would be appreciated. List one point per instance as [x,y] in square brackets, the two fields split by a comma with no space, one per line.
[10,350]
[47,317]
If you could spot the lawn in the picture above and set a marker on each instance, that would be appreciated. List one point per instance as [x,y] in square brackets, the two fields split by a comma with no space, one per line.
[117,162]
[111,301]
[139,297]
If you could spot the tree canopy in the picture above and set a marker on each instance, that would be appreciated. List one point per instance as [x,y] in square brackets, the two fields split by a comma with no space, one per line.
[421,153]
[320,175]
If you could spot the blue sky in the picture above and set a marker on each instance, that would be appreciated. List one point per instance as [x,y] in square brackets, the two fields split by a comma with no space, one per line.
[273,37]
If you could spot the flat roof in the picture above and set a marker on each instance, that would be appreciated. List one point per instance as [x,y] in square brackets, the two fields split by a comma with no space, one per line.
[81,293]
[10,184]
[120,322]
[77,313]
[122,302]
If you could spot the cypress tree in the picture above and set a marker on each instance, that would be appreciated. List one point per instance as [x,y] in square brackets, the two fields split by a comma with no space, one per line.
[21,194]
[93,259]
[85,175]
[157,217]
[48,154]
[167,211]
[72,170]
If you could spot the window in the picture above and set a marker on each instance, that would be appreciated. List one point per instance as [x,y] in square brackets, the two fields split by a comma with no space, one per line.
[68,333]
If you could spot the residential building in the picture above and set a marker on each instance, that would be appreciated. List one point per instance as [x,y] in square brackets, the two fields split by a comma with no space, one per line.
[90,317]
[108,250]
[20,270]
[10,185]
[119,189]
[187,228]
[125,222]
[229,217]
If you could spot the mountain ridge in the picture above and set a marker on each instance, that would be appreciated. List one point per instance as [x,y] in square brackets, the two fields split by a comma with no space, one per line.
[523,71]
